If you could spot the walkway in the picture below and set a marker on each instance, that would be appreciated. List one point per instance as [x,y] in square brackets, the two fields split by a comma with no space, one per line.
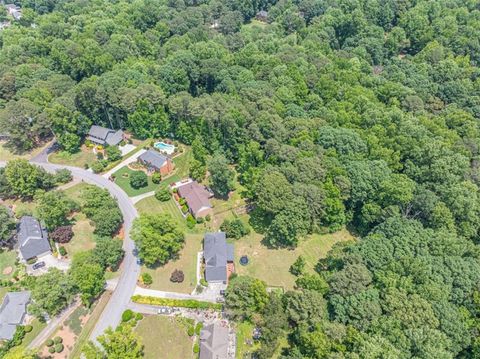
[125,162]
[138,198]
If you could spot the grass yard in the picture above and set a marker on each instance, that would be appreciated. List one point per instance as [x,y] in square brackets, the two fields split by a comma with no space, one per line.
[37,328]
[124,183]
[80,159]
[245,344]
[272,265]
[163,337]
[82,236]
[187,262]
[7,259]
[75,192]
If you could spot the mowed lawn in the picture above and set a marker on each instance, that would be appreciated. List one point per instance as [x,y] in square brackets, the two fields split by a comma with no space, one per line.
[83,157]
[7,259]
[163,337]
[151,205]
[186,262]
[82,236]
[7,155]
[272,265]
[122,179]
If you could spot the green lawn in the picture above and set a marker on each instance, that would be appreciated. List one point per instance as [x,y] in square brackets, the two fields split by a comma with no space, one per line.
[186,262]
[245,344]
[272,265]
[80,159]
[124,183]
[82,236]
[163,337]
[151,205]
[37,328]
[7,155]
[75,192]
[7,259]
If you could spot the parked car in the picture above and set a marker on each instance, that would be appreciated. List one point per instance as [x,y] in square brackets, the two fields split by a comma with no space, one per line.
[222,292]
[165,310]
[38,265]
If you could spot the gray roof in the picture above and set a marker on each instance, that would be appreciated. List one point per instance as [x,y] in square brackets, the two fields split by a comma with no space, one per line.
[32,238]
[196,195]
[153,159]
[214,342]
[105,135]
[217,253]
[12,312]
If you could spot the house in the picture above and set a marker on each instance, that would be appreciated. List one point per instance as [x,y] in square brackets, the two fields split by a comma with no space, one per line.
[105,136]
[197,198]
[218,256]
[14,11]
[214,342]
[262,15]
[156,162]
[12,313]
[32,239]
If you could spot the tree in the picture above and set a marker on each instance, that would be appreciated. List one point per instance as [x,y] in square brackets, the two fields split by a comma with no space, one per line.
[149,121]
[297,268]
[221,176]
[113,153]
[108,252]
[197,170]
[235,228]
[63,176]
[20,353]
[7,225]
[122,343]
[138,179]
[312,282]
[156,177]
[87,275]
[51,293]
[157,238]
[54,208]
[163,194]
[245,296]
[177,276]
[24,179]
[102,209]
[62,234]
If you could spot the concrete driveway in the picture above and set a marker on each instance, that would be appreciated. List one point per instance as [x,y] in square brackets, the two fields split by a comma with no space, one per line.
[50,262]
[124,163]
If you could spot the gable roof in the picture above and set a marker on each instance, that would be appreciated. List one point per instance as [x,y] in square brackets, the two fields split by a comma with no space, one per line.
[197,196]
[216,253]
[32,238]
[214,342]
[12,311]
[153,158]
[105,135]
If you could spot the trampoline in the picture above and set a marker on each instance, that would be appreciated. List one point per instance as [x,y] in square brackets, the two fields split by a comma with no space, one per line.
[243,260]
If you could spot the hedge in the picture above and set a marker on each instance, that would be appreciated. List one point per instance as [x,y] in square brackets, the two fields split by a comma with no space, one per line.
[184,303]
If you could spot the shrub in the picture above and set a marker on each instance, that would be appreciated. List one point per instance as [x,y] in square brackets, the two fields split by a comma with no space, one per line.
[31,260]
[62,234]
[97,167]
[99,156]
[191,222]
[62,251]
[177,276]
[127,315]
[182,303]
[63,176]
[59,348]
[184,208]
[235,229]
[57,340]
[182,201]
[199,289]
[175,190]
[203,282]
[139,316]
[156,178]
[208,218]
[196,348]
[298,266]
[49,342]
[113,153]
[138,179]
[191,331]
[27,328]
[198,328]
[51,350]
[163,195]
[200,220]
[147,279]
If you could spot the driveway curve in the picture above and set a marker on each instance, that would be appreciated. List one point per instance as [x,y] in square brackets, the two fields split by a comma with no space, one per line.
[111,315]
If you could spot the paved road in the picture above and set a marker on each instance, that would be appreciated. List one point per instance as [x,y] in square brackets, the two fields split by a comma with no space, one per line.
[112,313]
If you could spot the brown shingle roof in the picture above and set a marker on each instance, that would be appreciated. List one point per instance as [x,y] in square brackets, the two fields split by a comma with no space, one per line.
[196,195]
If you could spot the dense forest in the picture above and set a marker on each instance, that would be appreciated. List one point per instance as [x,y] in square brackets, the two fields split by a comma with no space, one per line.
[358,113]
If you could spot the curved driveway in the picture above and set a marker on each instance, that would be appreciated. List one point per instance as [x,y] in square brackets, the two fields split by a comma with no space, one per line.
[112,313]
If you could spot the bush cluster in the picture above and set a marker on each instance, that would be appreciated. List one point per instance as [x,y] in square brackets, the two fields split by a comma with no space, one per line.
[182,303]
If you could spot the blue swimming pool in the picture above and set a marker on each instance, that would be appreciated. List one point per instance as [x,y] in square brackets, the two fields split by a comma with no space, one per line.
[165,147]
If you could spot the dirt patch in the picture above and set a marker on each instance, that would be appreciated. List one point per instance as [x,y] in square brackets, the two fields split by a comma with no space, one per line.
[8,270]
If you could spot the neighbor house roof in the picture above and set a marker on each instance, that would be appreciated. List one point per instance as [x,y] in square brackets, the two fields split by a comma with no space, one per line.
[216,252]
[32,238]
[214,342]
[12,311]
[197,196]
[153,159]
[105,135]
